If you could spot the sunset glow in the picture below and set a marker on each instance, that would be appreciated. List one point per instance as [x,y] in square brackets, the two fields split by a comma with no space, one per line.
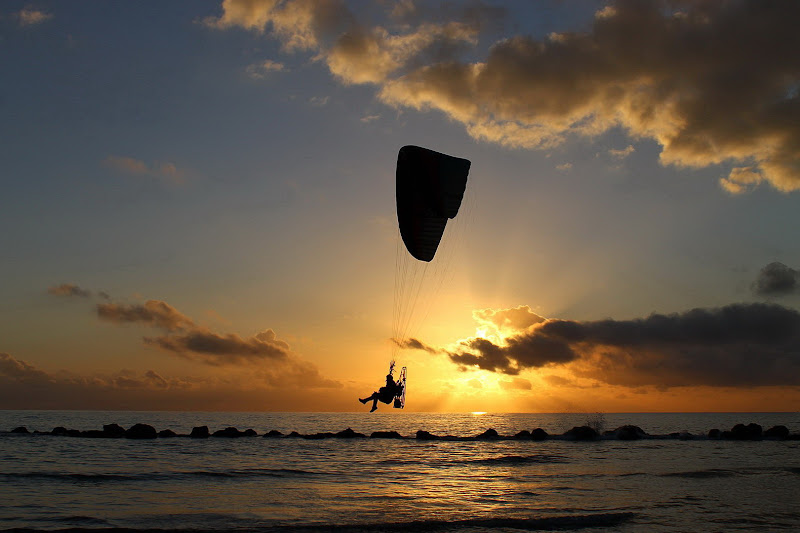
[200,210]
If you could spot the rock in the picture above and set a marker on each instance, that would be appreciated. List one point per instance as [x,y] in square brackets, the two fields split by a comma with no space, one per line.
[714,434]
[59,431]
[424,435]
[523,435]
[114,431]
[319,436]
[539,434]
[249,433]
[489,434]
[273,433]
[777,432]
[229,432]
[141,431]
[685,435]
[629,433]
[385,435]
[166,434]
[199,432]
[20,429]
[581,433]
[294,434]
[73,433]
[349,434]
[742,432]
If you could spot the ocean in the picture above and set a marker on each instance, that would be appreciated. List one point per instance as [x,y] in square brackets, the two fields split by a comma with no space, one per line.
[369,484]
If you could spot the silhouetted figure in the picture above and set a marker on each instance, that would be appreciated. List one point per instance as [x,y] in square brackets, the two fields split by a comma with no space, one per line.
[385,394]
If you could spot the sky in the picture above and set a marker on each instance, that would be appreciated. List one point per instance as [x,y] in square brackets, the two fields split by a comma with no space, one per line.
[198,206]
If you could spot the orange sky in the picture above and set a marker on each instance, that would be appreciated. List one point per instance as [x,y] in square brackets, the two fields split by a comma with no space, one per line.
[205,219]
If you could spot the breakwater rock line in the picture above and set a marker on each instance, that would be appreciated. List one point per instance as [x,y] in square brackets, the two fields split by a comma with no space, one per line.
[740,432]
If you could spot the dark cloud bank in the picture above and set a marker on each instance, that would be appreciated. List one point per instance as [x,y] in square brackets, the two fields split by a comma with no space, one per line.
[736,345]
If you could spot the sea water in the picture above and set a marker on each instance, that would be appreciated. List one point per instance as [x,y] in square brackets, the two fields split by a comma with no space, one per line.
[289,484]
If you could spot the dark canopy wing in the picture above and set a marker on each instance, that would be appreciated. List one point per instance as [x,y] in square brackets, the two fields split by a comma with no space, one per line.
[430,187]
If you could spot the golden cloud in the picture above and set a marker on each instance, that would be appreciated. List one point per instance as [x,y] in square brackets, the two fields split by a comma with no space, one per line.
[712,82]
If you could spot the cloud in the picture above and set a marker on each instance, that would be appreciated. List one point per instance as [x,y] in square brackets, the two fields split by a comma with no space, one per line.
[263,354]
[152,312]
[369,118]
[697,81]
[69,289]
[20,370]
[776,279]
[128,165]
[318,101]
[211,348]
[23,386]
[713,83]
[30,17]
[507,321]
[564,167]
[264,68]
[415,344]
[622,154]
[736,345]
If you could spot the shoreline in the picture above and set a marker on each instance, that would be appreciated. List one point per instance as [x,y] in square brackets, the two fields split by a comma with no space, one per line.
[739,432]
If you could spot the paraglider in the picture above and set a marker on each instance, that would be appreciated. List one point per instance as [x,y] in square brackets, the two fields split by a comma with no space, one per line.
[430,188]
[393,392]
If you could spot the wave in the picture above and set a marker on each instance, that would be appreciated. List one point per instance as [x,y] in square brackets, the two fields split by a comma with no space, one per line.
[156,476]
[514,460]
[703,474]
[560,523]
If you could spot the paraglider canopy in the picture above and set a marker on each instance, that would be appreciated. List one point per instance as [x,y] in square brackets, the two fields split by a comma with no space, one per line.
[430,187]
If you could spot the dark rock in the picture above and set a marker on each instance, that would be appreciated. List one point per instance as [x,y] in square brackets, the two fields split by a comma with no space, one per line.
[582,433]
[489,434]
[166,434]
[21,429]
[742,432]
[319,436]
[523,435]
[294,434]
[685,435]
[114,431]
[249,433]
[714,434]
[59,431]
[777,432]
[424,435]
[629,433]
[349,434]
[229,432]
[385,435]
[199,432]
[73,433]
[539,434]
[273,433]
[141,431]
